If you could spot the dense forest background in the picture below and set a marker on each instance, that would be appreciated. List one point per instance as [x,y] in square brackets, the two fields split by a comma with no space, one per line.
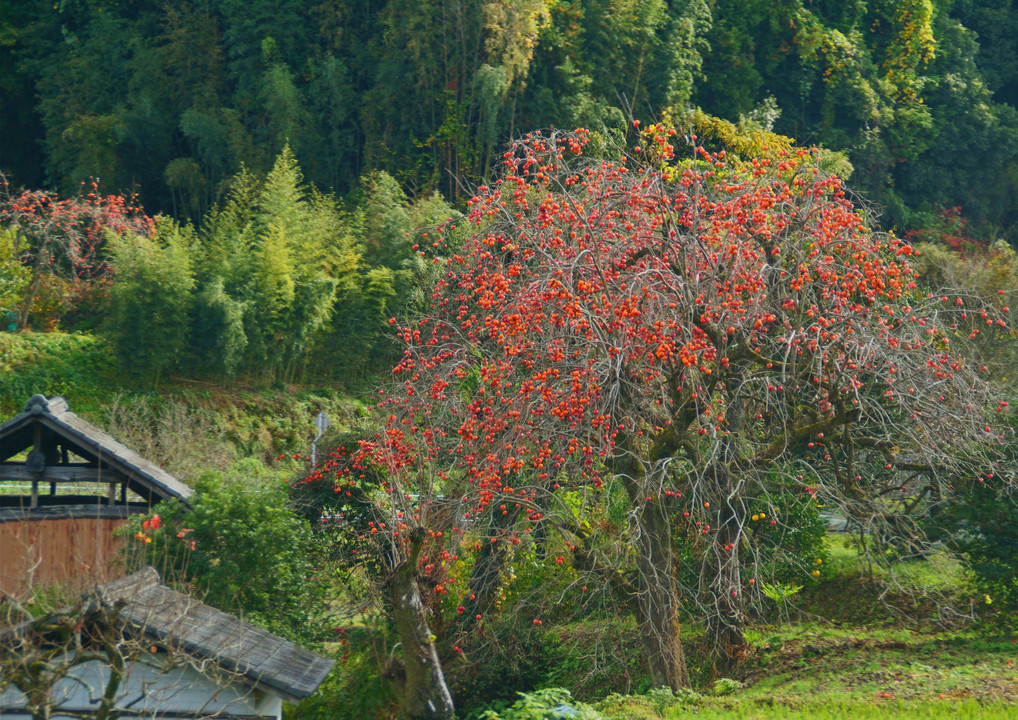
[266,163]
[172,99]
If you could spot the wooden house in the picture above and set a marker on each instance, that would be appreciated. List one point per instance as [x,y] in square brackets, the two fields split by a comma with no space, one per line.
[65,487]
[175,658]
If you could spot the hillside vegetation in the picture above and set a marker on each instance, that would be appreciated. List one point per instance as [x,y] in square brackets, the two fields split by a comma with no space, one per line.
[175,99]
[618,310]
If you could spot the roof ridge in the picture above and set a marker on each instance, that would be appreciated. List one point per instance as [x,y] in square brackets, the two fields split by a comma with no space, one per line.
[39,403]
[260,656]
[55,414]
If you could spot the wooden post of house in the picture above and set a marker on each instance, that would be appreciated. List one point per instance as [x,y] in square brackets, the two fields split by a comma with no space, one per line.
[63,461]
[36,447]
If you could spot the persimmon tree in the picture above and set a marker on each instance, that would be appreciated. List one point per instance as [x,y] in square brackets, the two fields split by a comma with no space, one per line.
[683,335]
[66,239]
[380,504]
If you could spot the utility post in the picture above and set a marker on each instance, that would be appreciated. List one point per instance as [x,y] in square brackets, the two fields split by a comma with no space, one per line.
[322,423]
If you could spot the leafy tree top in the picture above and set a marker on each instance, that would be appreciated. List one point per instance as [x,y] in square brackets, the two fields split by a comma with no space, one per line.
[680,334]
[614,307]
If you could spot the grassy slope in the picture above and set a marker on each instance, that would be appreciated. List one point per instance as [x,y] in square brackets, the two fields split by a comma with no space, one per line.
[184,425]
[847,652]
[79,367]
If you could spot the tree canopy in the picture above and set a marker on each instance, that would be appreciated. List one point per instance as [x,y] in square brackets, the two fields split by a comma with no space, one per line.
[686,337]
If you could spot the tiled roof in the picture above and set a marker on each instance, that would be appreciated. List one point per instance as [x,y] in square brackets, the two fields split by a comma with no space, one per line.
[55,415]
[201,630]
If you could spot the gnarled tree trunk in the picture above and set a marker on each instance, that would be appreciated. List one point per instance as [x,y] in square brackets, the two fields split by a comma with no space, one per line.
[423,694]
[725,624]
[656,598]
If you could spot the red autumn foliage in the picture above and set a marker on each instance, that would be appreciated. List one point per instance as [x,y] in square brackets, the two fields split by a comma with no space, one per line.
[67,238]
[950,227]
[686,334]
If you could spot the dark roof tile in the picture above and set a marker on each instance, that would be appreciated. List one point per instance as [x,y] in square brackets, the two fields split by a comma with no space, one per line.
[173,617]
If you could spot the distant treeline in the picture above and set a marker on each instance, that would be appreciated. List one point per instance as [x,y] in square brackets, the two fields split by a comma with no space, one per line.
[172,99]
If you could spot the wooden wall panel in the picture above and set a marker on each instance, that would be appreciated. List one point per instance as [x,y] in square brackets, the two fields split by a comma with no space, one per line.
[72,552]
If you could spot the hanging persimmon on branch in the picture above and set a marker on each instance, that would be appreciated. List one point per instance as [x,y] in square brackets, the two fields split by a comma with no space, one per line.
[66,239]
[688,334]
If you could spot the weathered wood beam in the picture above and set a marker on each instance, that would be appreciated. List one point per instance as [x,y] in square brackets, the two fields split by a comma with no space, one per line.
[61,473]
[36,447]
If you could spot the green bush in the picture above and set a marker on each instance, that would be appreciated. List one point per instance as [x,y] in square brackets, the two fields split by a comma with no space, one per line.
[655,703]
[354,689]
[241,548]
[547,704]
[77,366]
[14,275]
[789,551]
[785,552]
[151,300]
[982,525]
[217,335]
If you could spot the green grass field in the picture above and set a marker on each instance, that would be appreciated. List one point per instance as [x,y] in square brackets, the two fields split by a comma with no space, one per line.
[814,672]
[844,650]
[882,709]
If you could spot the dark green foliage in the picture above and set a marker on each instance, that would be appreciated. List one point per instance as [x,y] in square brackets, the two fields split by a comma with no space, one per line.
[547,704]
[175,98]
[593,657]
[354,689]
[983,527]
[217,337]
[995,24]
[790,554]
[786,551]
[895,85]
[151,300]
[963,151]
[387,223]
